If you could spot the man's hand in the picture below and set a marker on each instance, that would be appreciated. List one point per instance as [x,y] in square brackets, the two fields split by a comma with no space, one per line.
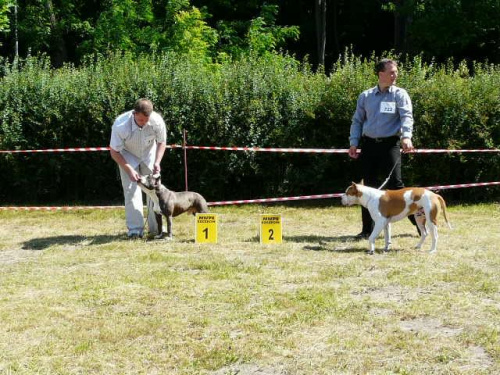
[156,168]
[353,152]
[132,173]
[407,145]
[120,160]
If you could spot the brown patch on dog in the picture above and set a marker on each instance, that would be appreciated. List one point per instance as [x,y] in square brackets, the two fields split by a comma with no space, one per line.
[353,191]
[417,194]
[392,203]
[413,208]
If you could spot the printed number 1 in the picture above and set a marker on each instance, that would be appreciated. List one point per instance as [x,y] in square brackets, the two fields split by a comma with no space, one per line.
[271,235]
[206,233]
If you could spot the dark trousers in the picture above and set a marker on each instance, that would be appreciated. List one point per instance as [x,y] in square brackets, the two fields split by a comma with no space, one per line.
[378,157]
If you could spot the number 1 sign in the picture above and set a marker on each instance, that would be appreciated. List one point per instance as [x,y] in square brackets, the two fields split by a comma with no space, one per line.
[270,229]
[206,228]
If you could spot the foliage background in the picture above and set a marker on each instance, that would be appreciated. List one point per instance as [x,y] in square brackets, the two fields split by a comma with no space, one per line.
[271,100]
[69,30]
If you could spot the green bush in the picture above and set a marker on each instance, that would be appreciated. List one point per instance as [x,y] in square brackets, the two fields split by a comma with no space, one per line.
[267,101]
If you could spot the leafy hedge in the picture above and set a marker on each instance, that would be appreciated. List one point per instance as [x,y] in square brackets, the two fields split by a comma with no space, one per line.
[269,101]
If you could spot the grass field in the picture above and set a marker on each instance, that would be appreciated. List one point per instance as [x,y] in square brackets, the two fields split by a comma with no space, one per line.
[77,297]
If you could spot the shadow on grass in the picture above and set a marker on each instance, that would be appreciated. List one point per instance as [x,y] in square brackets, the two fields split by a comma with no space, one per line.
[70,240]
[338,244]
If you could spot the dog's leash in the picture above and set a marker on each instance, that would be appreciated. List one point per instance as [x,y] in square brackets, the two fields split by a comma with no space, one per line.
[390,173]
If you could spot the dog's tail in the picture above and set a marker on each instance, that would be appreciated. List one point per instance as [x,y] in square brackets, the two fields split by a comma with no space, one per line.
[443,208]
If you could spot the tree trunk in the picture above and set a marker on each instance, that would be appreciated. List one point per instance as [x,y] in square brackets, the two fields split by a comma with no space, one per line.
[58,46]
[320,15]
[400,21]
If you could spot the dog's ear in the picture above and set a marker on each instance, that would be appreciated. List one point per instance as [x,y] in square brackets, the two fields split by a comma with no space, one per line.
[362,182]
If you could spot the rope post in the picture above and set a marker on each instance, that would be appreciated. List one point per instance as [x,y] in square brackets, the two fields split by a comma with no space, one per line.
[184,144]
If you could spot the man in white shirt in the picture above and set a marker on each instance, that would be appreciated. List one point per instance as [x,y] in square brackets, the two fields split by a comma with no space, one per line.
[138,142]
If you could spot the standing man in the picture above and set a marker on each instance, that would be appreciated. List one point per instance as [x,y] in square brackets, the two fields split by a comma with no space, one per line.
[381,125]
[138,142]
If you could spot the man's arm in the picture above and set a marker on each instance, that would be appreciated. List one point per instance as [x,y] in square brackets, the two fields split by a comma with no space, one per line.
[120,160]
[160,150]
[357,127]
[406,114]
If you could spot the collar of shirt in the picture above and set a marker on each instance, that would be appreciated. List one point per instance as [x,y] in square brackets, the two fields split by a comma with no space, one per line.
[378,91]
[134,125]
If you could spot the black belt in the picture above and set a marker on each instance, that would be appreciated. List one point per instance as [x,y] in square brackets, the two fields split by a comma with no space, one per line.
[381,139]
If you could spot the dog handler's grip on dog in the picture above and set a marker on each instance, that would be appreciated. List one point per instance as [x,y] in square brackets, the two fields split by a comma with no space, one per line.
[382,124]
[138,143]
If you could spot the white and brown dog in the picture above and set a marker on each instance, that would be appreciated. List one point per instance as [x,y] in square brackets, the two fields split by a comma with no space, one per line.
[170,203]
[387,206]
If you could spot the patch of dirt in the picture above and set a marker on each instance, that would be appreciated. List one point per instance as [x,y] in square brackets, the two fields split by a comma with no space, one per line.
[249,369]
[381,312]
[390,294]
[491,302]
[429,326]
[15,256]
[478,359]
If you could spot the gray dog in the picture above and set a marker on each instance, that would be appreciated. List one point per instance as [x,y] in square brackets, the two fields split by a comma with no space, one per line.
[170,203]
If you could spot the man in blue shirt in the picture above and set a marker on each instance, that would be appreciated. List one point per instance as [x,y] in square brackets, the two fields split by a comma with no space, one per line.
[381,125]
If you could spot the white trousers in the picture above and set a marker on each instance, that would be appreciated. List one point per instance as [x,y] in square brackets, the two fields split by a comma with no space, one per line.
[134,204]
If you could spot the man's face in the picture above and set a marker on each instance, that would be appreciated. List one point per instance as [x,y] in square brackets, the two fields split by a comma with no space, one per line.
[388,76]
[140,119]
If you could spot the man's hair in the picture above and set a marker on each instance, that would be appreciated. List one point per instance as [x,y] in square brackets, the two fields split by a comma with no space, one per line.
[380,65]
[143,106]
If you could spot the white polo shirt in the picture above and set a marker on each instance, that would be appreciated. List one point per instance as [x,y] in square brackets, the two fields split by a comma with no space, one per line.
[138,145]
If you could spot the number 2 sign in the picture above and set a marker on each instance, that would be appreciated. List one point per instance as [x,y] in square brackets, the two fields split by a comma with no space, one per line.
[270,229]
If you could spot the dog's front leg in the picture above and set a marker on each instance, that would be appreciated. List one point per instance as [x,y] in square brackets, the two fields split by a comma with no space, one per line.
[159,222]
[379,225]
[387,235]
[169,226]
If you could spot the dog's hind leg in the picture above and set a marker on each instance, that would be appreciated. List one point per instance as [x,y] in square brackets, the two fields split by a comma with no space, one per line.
[421,223]
[431,223]
[434,235]
[423,236]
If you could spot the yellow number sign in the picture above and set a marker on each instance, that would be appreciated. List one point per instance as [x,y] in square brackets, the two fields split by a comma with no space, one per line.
[206,228]
[270,229]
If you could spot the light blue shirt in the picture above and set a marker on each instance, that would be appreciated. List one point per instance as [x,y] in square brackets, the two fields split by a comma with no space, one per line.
[382,114]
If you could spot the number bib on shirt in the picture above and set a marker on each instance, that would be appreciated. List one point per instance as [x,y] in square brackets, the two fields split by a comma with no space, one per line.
[388,107]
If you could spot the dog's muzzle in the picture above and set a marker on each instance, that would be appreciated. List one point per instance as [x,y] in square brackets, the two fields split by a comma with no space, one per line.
[347,200]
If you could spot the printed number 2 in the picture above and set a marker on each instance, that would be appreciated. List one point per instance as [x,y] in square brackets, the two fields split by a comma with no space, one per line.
[271,235]
[206,233]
